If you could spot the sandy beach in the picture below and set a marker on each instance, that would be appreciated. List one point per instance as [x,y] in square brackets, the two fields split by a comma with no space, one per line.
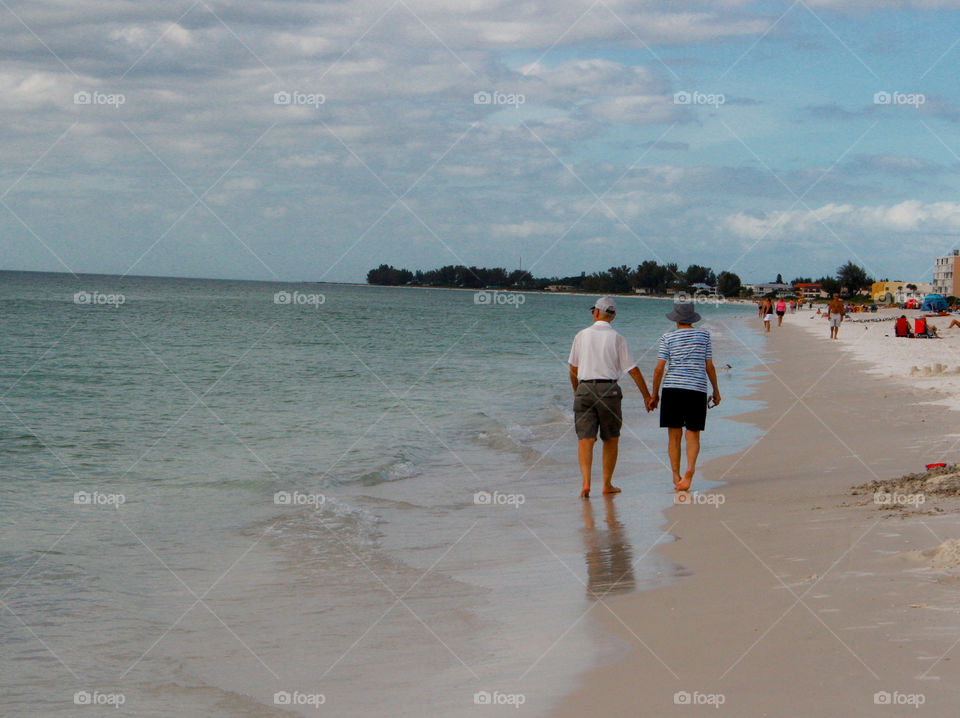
[803,597]
[932,366]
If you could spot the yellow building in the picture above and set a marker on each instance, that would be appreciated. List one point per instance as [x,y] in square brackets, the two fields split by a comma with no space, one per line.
[900,291]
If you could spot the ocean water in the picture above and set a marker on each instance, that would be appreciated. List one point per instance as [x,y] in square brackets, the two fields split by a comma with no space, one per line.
[215,498]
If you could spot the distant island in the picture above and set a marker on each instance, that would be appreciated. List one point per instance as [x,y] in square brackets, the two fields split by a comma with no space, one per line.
[648,277]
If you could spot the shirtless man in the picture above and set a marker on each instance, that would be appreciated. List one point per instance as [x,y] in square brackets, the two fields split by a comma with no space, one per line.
[835,315]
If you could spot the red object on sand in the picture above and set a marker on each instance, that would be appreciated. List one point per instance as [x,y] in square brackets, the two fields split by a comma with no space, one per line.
[935,466]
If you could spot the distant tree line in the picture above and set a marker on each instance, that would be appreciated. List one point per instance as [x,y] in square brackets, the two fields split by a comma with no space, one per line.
[649,276]
[849,280]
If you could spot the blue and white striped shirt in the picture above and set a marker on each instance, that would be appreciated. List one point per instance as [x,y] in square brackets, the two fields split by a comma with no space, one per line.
[686,352]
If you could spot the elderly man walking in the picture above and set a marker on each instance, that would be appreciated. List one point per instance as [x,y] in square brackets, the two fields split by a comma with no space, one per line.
[598,358]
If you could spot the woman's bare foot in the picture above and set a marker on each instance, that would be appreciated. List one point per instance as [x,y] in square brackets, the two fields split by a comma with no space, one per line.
[611,489]
[684,484]
[585,494]
[676,480]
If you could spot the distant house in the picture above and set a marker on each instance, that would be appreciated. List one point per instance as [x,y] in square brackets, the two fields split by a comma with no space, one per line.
[901,292]
[560,288]
[808,290]
[776,288]
[946,275]
[705,288]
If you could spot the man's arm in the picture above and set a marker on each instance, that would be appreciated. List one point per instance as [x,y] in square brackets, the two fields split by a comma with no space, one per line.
[637,377]
[573,377]
[712,375]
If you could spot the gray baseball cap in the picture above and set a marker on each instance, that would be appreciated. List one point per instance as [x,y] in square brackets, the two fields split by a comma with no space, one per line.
[605,304]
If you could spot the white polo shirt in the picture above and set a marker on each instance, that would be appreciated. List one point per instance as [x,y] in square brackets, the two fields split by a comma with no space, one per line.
[600,352]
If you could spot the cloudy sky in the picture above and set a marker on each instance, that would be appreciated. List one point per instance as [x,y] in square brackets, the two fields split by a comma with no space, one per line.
[299,140]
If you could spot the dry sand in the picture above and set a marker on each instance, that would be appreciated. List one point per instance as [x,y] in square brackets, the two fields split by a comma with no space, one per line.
[932,365]
[804,596]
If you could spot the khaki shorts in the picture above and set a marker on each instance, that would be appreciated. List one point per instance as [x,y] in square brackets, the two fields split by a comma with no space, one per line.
[596,406]
[835,321]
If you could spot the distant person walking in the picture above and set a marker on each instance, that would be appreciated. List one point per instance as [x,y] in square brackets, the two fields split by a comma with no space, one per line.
[687,356]
[766,312]
[835,315]
[781,310]
[598,358]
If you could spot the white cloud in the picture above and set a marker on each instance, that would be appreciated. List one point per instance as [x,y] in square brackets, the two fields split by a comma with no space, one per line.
[910,216]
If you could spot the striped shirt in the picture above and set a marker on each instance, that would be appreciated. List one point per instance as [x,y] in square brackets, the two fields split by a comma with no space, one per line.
[686,352]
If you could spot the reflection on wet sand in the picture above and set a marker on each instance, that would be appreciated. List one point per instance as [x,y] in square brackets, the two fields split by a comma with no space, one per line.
[608,553]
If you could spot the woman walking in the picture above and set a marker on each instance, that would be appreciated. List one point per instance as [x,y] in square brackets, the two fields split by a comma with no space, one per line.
[766,311]
[781,310]
[684,365]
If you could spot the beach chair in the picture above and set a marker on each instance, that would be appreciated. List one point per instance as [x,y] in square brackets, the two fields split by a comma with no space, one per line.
[902,328]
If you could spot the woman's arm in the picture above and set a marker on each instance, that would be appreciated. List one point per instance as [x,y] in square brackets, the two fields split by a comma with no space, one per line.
[658,379]
[712,375]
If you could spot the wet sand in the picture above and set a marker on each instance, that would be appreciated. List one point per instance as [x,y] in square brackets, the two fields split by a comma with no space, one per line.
[805,596]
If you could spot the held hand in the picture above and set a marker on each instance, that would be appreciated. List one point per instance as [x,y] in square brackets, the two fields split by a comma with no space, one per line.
[651,403]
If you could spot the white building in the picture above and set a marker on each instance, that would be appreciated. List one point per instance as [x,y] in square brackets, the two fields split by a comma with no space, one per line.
[946,275]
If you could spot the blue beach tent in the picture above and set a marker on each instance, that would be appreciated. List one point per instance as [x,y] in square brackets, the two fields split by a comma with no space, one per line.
[934,303]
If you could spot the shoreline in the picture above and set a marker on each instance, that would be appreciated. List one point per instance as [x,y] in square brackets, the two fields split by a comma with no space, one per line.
[799,597]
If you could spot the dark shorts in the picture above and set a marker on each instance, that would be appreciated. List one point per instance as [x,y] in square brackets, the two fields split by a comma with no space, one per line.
[780,314]
[596,405]
[683,408]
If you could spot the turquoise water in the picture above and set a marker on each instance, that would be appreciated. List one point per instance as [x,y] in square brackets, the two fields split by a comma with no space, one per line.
[183,407]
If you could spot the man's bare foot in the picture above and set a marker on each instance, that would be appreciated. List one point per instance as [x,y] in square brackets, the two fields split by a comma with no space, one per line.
[585,494]
[676,480]
[611,489]
[684,483]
